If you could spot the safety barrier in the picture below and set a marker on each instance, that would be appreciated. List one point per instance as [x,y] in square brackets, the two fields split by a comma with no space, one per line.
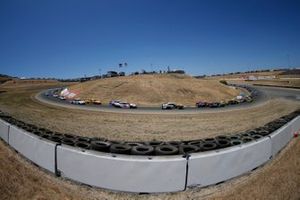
[217,166]
[123,172]
[147,174]
[39,151]
[4,128]
[296,125]
[281,137]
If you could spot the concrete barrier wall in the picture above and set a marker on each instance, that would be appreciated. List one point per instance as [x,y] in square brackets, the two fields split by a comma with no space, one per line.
[296,125]
[217,166]
[123,173]
[39,151]
[281,137]
[4,128]
[144,174]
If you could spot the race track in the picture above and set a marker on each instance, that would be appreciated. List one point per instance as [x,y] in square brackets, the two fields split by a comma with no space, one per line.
[263,95]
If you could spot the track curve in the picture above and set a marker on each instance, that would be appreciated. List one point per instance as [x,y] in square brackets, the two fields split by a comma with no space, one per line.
[263,95]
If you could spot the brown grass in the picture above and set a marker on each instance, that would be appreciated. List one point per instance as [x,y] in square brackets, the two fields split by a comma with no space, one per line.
[17,83]
[155,89]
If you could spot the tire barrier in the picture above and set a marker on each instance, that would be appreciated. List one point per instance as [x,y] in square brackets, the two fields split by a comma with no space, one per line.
[152,166]
[160,147]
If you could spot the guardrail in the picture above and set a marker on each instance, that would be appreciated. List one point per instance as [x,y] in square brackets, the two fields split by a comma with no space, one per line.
[147,174]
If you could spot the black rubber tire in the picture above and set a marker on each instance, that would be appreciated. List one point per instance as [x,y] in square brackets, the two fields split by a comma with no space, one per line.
[49,132]
[234,137]
[142,150]
[246,134]
[116,142]
[154,143]
[37,132]
[166,150]
[83,139]
[42,130]
[209,140]
[197,143]
[236,142]
[55,138]
[120,148]
[247,139]
[186,149]
[174,143]
[208,146]
[33,126]
[223,143]
[100,146]
[270,127]
[222,137]
[68,141]
[251,132]
[257,137]
[83,145]
[46,136]
[69,136]
[134,144]
[27,128]
[262,132]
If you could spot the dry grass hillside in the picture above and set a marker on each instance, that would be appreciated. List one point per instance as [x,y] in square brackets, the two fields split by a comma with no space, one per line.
[16,83]
[155,89]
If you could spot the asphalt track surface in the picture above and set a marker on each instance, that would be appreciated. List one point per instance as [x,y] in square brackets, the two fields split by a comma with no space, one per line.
[263,95]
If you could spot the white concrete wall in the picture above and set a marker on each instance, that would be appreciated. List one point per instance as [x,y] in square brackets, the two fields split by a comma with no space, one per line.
[123,173]
[41,152]
[217,166]
[281,137]
[296,125]
[4,127]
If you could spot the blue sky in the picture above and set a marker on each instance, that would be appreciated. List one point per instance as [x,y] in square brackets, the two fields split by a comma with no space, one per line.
[71,38]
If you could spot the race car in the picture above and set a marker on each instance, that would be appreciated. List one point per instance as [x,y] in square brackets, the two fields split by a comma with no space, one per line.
[171,105]
[78,102]
[120,104]
[201,104]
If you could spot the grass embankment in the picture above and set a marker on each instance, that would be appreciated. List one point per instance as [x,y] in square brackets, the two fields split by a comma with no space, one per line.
[152,90]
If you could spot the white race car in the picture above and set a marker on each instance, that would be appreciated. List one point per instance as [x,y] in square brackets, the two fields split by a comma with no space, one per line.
[120,104]
[78,102]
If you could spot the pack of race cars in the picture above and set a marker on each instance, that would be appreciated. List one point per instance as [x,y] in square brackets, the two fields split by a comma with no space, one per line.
[165,106]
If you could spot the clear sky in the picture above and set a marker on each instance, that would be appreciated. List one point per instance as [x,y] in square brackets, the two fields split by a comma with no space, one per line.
[72,38]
